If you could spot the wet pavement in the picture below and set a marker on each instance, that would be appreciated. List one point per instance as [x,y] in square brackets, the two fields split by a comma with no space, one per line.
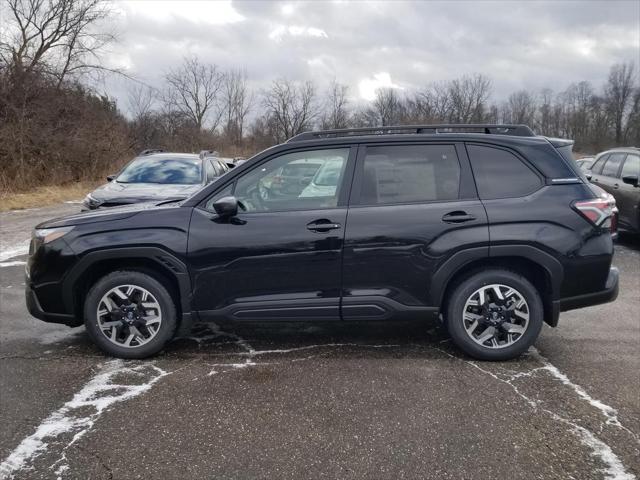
[379,400]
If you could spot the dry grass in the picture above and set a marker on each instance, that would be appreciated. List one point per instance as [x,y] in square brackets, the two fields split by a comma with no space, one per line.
[42,196]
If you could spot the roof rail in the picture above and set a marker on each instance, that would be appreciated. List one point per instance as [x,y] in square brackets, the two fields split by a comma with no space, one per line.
[514,130]
[149,151]
[208,153]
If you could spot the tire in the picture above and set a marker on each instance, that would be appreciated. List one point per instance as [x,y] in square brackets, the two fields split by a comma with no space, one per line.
[465,319]
[152,325]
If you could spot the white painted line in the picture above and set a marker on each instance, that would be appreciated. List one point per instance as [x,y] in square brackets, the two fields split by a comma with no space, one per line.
[79,414]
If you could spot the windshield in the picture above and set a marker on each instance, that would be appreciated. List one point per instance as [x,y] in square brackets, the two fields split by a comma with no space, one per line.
[172,170]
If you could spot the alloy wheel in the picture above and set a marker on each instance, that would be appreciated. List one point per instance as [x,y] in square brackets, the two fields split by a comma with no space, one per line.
[129,316]
[496,316]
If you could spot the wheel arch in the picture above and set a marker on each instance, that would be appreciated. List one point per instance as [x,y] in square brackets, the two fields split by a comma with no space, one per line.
[540,268]
[165,267]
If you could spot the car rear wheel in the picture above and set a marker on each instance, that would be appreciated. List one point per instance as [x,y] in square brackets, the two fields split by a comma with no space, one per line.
[130,314]
[494,315]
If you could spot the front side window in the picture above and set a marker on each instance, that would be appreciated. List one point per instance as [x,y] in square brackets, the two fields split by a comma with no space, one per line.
[597,167]
[631,166]
[612,166]
[409,174]
[294,181]
[164,170]
[500,174]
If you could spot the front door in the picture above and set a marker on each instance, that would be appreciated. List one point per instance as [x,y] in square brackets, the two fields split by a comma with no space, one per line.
[279,258]
[412,207]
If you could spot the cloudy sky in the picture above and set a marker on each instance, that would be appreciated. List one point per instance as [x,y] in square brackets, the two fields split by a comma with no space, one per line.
[519,44]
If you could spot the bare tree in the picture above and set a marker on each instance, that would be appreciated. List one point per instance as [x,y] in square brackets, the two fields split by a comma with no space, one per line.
[388,106]
[144,123]
[194,90]
[469,95]
[54,37]
[292,107]
[520,108]
[238,101]
[336,110]
[618,92]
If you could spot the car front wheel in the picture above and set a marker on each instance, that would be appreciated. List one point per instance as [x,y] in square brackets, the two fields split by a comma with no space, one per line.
[130,314]
[494,315]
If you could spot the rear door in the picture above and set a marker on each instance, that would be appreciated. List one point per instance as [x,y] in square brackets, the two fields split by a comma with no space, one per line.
[412,206]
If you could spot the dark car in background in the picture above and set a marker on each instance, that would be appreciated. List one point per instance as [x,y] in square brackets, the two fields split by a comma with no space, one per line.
[155,175]
[617,172]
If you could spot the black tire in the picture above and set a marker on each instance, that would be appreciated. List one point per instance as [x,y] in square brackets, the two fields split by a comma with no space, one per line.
[463,291]
[164,333]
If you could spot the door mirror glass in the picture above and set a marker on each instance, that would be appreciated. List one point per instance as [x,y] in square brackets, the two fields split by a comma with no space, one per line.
[110,178]
[631,180]
[226,207]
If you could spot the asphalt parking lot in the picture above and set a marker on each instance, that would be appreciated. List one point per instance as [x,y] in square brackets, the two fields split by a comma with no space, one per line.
[361,401]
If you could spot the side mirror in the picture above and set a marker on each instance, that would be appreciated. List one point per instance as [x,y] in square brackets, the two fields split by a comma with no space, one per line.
[226,207]
[631,180]
[231,165]
[110,178]
[588,175]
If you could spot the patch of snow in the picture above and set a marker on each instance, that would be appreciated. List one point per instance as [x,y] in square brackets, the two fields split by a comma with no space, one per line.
[79,414]
[14,250]
[15,263]
[55,336]
[614,469]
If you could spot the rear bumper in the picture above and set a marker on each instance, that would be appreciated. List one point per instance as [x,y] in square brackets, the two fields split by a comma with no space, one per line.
[35,309]
[608,294]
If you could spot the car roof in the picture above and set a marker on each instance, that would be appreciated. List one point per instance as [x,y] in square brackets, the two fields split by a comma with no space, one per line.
[190,156]
[620,150]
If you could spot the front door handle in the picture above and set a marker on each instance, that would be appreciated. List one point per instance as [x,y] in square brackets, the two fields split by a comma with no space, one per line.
[458,216]
[322,225]
[616,186]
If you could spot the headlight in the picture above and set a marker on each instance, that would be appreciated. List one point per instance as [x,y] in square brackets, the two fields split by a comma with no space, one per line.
[47,235]
[91,202]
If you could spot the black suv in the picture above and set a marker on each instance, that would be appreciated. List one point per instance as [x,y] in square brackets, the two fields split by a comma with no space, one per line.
[488,227]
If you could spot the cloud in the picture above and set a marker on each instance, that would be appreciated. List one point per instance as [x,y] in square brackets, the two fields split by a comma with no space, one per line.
[368,86]
[526,44]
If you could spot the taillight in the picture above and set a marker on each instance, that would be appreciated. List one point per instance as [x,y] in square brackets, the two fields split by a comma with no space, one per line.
[600,212]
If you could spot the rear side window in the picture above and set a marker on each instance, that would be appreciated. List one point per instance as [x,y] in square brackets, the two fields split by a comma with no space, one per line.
[500,174]
[612,166]
[410,174]
[631,165]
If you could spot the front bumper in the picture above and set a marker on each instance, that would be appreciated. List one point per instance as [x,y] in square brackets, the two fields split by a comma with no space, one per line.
[608,294]
[35,309]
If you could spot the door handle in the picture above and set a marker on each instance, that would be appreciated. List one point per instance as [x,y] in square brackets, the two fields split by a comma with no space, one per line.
[616,186]
[322,225]
[457,217]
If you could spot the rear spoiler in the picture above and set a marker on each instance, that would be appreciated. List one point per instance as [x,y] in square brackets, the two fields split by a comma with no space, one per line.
[560,142]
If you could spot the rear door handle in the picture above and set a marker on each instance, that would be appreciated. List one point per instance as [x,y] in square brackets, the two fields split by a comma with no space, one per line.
[322,225]
[457,217]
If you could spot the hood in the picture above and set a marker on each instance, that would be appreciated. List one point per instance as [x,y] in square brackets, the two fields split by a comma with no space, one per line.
[105,215]
[136,192]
